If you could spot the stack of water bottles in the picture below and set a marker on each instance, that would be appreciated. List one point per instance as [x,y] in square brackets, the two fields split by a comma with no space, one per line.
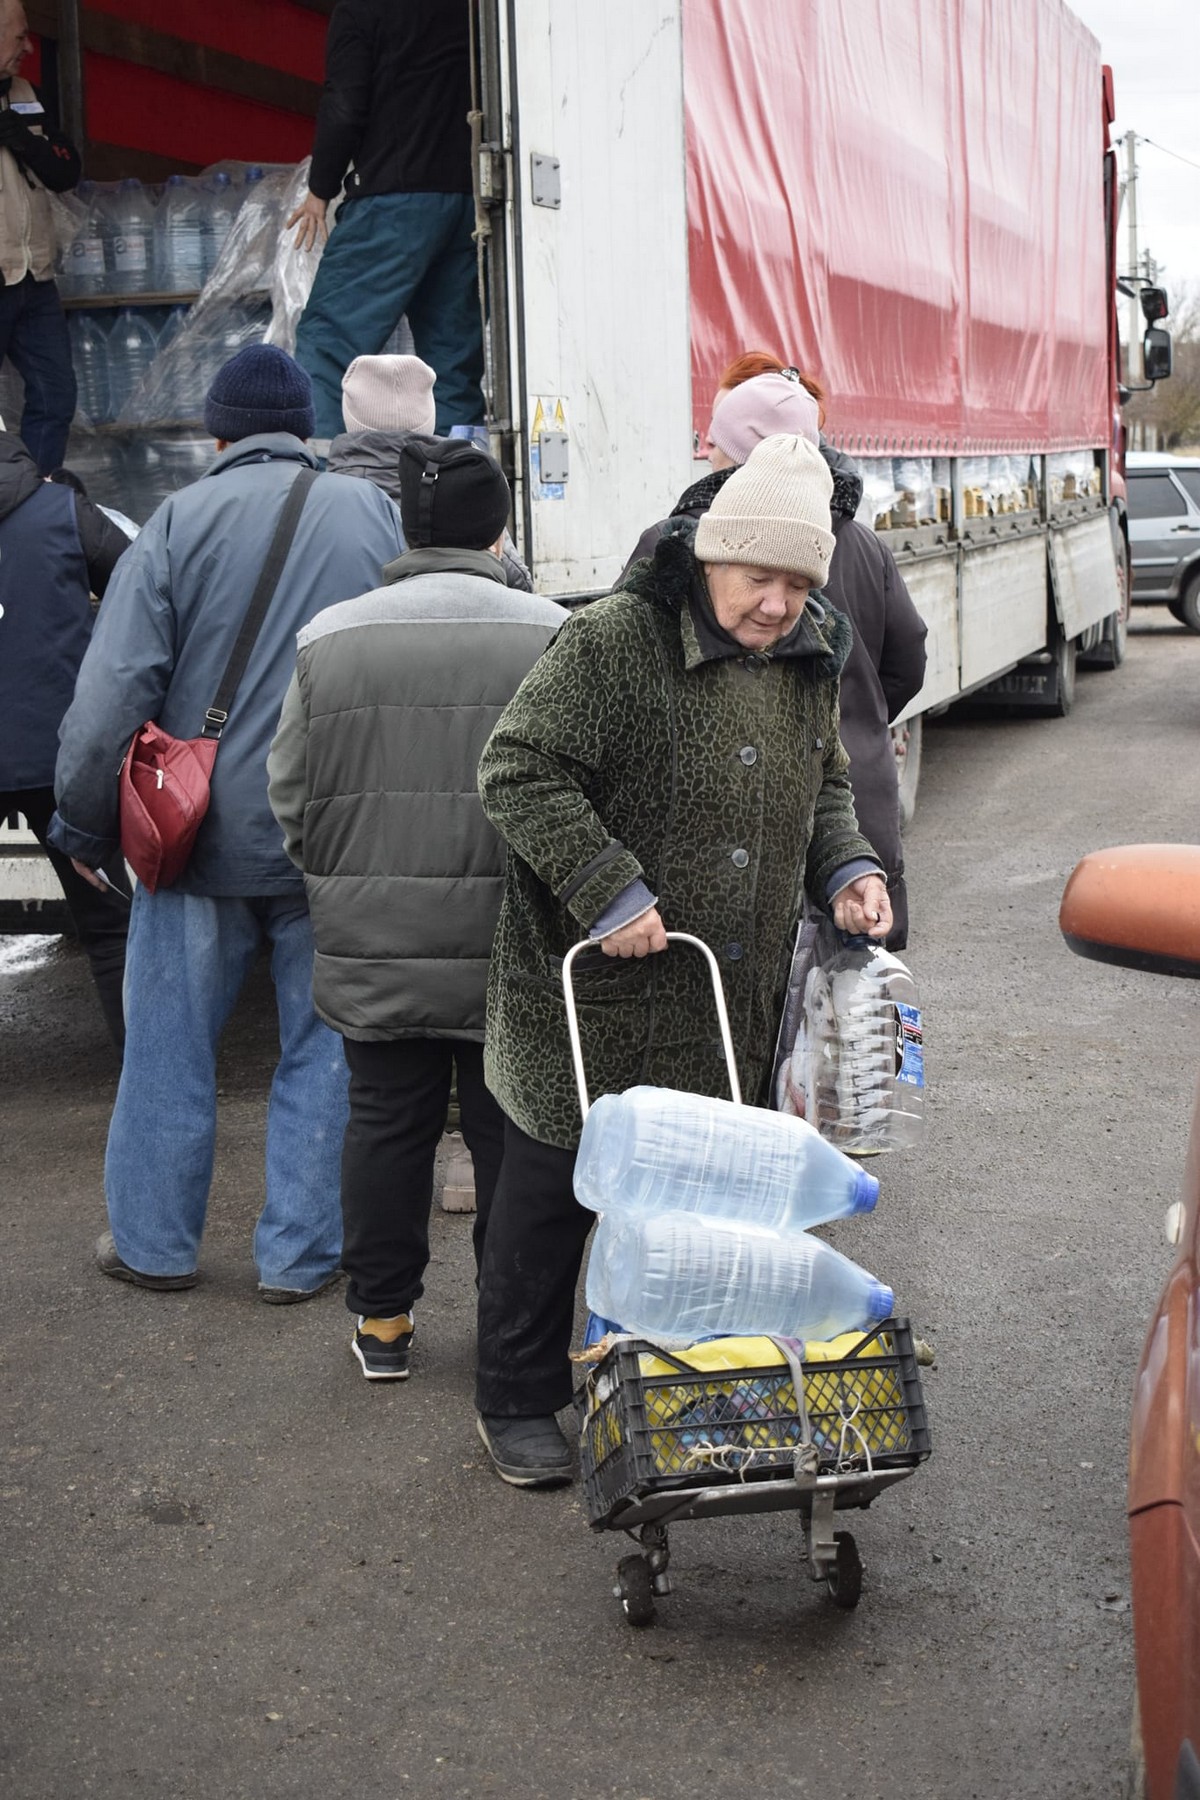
[705,1206]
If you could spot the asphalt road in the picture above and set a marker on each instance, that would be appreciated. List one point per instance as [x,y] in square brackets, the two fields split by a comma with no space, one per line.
[232,1568]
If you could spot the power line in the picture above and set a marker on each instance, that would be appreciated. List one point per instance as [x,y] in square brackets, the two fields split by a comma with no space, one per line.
[1166,152]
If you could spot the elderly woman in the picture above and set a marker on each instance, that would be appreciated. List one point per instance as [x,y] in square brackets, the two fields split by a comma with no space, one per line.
[672,761]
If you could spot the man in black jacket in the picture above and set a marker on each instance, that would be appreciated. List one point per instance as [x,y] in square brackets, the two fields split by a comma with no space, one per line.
[394,106]
[55,548]
[34,160]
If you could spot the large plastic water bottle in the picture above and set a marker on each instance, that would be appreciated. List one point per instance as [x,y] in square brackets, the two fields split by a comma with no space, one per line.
[131,215]
[131,350]
[653,1150]
[682,1276]
[860,1057]
[179,236]
[83,270]
[89,354]
[222,209]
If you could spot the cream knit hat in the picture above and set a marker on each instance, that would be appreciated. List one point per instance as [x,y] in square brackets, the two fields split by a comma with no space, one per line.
[388,393]
[773,513]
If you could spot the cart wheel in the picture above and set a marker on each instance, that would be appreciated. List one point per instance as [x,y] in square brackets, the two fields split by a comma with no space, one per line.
[635,1590]
[844,1577]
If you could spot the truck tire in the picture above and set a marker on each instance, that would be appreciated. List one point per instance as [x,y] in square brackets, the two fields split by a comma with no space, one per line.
[1060,690]
[906,742]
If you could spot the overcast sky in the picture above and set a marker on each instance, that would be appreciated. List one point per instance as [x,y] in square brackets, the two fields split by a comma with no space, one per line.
[1154,51]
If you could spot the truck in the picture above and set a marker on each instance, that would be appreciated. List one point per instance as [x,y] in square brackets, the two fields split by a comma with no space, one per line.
[915,202]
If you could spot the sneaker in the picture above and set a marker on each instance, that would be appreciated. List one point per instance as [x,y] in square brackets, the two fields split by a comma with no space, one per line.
[281,1296]
[526,1452]
[382,1346]
[110,1262]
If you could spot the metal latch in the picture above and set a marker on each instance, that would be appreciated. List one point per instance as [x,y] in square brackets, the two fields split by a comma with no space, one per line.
[492,184]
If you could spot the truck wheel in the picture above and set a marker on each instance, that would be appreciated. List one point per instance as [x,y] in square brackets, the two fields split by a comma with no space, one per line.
[1059,693]
[906,742]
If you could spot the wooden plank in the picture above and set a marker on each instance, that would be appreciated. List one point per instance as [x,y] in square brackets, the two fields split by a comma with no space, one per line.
[197,64]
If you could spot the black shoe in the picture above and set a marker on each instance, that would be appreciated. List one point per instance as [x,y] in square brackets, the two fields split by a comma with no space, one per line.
[109,1262]
[526,1452]
[381,1360]
[280,1296]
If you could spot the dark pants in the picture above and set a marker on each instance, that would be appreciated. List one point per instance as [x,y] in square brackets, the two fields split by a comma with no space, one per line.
[390,255]
[33,335]
[399,1091]
[535,1241]
[101,920]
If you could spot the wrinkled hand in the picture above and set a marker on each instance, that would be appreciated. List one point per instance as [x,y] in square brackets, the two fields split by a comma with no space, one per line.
[89,875]
[311,215]
[863,907]
[639,938]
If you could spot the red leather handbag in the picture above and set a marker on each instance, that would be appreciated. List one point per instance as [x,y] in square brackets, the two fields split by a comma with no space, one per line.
[165,781]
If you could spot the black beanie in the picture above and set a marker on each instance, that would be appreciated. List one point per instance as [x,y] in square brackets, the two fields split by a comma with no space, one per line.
[262,388]
[453,495]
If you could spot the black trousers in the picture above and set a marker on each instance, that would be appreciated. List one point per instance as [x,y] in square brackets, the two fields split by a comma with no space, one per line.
[399,1091]
[101,920]
[535,1242]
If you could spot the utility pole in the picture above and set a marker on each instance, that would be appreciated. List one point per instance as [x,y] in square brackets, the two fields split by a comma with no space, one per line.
[1134,368]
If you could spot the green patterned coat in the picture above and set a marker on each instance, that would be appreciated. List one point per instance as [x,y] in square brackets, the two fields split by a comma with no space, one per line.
[721,783]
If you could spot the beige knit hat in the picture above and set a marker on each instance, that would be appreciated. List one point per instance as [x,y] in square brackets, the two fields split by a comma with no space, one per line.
[774,512]
[388,393]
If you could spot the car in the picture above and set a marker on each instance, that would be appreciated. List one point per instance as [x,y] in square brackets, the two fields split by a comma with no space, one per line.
[1139,906]
[1163,503]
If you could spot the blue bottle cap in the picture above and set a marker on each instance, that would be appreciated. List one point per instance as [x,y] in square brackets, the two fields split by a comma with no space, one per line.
[881,1302]
[866,1192]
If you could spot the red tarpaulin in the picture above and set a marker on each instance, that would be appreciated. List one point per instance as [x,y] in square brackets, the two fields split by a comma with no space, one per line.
[905,198]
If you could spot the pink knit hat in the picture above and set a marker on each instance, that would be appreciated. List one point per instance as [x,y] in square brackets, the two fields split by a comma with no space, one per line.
[388,393]
[766,406]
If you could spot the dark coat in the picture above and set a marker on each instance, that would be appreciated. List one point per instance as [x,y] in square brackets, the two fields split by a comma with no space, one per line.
[628,753]
[395,102]
[884,669]
[56,549]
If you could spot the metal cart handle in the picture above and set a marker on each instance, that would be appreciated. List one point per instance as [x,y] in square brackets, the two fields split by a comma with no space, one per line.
[679,937]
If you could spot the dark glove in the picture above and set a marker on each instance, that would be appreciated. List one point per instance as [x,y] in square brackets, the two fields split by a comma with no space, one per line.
[14,133]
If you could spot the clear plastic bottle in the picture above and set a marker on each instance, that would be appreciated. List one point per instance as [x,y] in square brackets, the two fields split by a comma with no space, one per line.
[221,211]
[89,354]
[131,214]
[860,1057]
[652,1150]
[131,350]
[682,1276]
[83,270]
[179,236]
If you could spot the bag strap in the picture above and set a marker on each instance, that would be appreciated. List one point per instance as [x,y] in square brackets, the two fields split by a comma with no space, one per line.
[218,713]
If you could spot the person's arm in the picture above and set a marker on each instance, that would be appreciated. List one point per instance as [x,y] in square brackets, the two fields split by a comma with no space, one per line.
[47,154]
[287,787]
[837,850]
[104,543]
[902,656]
[122,682]
[547,747]
[342,111]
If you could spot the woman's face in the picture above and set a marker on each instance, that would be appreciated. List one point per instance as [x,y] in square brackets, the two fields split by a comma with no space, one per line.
[717,459]
[756,607]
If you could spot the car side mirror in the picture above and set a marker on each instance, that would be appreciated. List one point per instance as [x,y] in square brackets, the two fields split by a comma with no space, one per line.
[1157,358]
[1137,906]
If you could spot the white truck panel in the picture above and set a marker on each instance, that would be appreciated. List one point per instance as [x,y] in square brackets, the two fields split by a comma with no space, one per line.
[1003,606]
[602,313]
[1085,574]
[933,584]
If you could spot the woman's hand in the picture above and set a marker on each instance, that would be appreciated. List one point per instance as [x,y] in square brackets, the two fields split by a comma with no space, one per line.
[642,935]
[863,907]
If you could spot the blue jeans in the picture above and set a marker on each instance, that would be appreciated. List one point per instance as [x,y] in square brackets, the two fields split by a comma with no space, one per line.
[33,335]
[187,958]
[390,255]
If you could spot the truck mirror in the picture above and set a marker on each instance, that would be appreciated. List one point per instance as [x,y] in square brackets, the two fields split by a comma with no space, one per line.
[1157,359]
[1155,305]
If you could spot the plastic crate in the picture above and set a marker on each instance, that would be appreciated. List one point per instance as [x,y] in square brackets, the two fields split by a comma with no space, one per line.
[649,1423]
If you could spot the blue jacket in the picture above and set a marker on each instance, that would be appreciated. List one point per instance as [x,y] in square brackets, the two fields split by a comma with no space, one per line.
[166,631]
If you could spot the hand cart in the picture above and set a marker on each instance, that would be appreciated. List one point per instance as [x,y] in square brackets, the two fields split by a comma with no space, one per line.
[669,1435]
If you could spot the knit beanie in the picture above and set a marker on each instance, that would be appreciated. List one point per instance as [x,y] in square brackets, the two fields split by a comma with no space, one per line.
[773,512]
[762,408]
[260,389]
[388,393]
[452,494]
